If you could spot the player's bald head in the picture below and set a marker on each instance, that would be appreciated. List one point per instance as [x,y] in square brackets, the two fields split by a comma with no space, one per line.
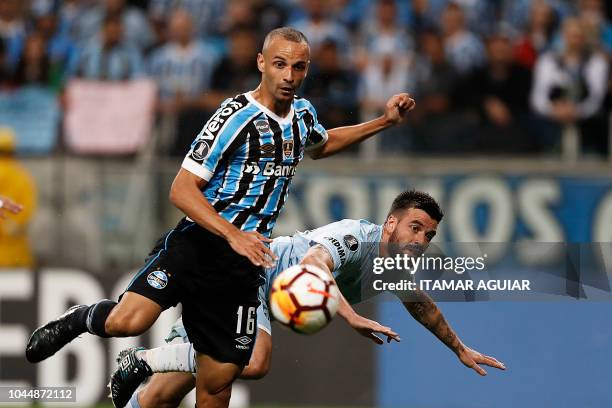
[285,33]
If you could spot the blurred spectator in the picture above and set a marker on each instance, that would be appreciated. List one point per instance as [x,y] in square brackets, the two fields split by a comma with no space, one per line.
[331,88]
[463,49]
[518,13]
[422,17]
[481,15]
[66,12]
[239,13]
[597,29]
[385,27]
[205,13]
[270,14]
[16,183]
[237,70]
[233,74]
[351,12]
[69,14]
[388,72]
[137,30]
[437,125]
[12,29]
[34,67]
[262,15]
[500,93]
[569,87]
[109,58]
[183,67]
[60,47]
[538,35]
[436,78]
[318,26]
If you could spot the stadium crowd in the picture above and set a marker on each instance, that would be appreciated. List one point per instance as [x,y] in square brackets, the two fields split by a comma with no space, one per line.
[489,76]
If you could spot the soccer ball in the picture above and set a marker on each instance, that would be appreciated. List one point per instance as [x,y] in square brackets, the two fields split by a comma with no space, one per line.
[304,298]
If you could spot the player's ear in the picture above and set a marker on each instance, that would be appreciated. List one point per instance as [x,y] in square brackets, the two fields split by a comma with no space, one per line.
[260,62]
[390,224]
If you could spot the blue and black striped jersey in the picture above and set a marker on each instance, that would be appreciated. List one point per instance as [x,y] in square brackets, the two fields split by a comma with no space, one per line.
[249,155]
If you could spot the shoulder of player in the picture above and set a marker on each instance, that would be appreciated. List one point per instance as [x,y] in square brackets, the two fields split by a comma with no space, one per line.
[357,230]
[232,115]
[300,104]
[238,108]
[351,226]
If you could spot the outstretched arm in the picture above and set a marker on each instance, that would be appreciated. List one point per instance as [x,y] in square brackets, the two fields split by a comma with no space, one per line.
[425,311]
[318,256]
[340,138]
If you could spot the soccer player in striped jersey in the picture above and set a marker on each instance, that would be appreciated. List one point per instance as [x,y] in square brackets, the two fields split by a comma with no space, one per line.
[231,187]
[345,249]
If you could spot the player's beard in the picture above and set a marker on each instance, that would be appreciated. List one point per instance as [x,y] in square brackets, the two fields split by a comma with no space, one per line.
[396,247]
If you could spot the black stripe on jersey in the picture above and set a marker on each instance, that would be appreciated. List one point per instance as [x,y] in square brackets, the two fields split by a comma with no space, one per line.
[297,142]
[314,137]
[253,155]
[308,118]
[269,185]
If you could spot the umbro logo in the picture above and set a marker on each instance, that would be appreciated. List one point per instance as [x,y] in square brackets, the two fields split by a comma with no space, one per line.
[126,362]
[244,340]
[267,150]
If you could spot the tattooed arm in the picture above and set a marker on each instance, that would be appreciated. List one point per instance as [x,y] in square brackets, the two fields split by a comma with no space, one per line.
[425,311]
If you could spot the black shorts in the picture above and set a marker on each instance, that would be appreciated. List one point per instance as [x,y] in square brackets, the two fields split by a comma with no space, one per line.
[200,270]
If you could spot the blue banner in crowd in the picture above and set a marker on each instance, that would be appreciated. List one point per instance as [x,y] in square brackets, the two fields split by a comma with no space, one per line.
[33,114]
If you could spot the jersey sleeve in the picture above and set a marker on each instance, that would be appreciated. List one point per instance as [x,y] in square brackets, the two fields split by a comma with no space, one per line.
[341,239]
[317,135]
[214,139]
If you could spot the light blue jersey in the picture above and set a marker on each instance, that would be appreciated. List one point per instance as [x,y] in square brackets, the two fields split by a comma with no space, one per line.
[352,244]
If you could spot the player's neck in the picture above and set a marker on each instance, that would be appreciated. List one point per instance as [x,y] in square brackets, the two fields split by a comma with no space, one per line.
[279,108]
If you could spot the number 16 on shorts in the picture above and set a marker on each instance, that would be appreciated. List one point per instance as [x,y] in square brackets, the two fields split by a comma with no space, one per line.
[249,320]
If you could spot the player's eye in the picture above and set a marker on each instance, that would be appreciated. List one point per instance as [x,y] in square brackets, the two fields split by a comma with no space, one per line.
[279,64]
[300,67]
[415,228]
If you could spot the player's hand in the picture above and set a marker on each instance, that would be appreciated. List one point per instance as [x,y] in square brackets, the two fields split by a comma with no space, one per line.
[251,244]
[397,107]
[472,358]
[8,205]
[368,328]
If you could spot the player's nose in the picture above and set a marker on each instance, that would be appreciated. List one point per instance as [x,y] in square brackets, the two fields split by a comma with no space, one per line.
[288,77]
[419,239]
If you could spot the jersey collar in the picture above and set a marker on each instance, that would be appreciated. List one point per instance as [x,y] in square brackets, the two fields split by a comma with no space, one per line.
[284,121]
